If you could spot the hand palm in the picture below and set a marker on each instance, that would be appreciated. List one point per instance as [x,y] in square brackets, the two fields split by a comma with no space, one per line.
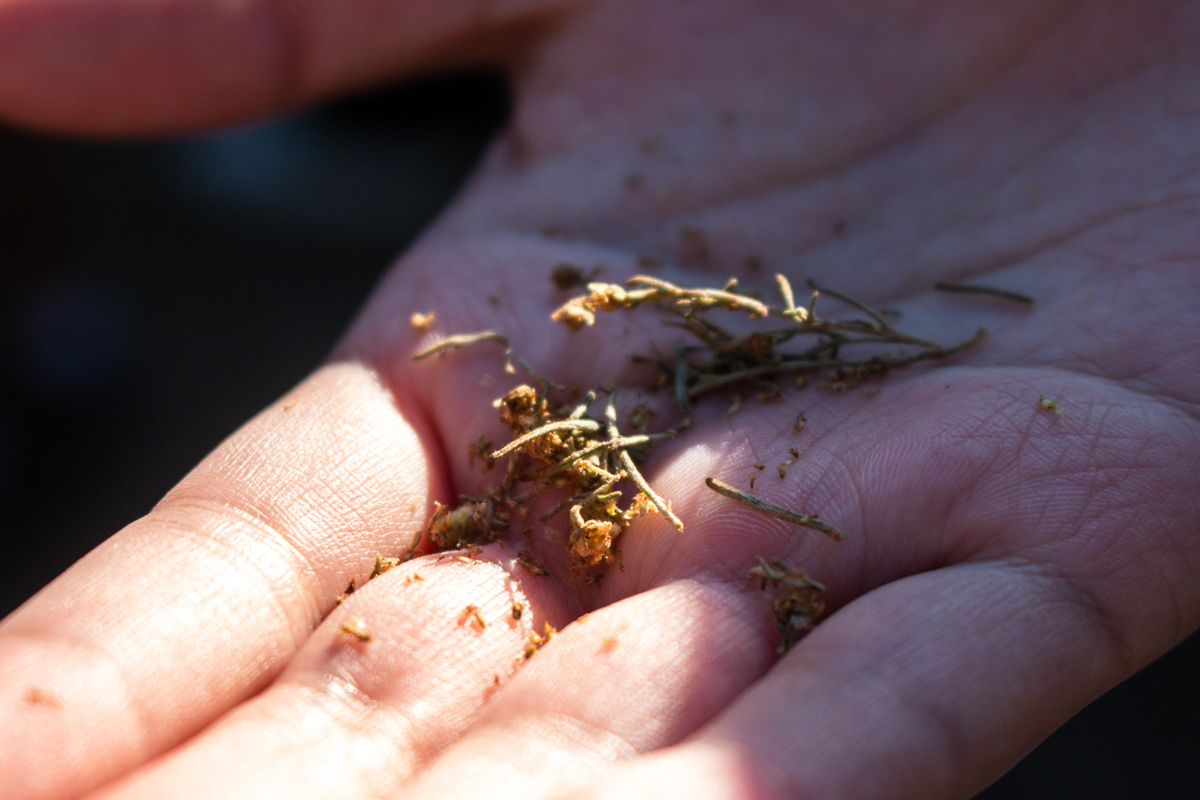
[1003,564]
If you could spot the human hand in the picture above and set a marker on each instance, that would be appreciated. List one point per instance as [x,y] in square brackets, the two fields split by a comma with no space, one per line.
[1003,565]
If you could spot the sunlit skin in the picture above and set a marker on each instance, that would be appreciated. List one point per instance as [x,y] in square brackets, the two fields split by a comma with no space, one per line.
[1003,564]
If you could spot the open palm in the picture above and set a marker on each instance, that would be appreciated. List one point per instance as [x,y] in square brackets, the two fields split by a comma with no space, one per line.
[1003,564]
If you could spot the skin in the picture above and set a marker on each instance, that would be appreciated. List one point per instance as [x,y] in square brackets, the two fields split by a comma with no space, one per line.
[1004,565]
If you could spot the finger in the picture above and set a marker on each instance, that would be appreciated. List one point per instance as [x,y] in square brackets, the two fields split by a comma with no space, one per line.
[927,688]
[199,605]
[120,66]
[631,677]
[355,715]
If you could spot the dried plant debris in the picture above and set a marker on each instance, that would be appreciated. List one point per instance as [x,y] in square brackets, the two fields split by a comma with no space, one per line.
[423,322]
[526,561]
[558,445]
[472,612]
[518,609]
[1047,404]
[720,358]
[772,510]
[797,604]
[341,598]
[539,640]
[356,627]
[382,565]
[479,449]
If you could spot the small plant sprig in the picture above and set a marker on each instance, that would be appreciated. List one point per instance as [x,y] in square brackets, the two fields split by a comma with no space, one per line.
[722,359]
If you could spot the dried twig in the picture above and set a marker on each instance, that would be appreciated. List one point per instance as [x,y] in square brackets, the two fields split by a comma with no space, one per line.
[550,427]
[610,413]
[771,510]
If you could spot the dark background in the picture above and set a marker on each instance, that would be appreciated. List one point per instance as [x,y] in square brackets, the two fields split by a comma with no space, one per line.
[156,294]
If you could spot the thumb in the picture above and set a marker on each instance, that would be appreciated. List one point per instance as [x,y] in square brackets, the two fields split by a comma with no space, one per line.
[154,66]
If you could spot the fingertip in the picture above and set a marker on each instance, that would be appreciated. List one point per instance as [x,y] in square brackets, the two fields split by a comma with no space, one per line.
[112,68]
[120,67]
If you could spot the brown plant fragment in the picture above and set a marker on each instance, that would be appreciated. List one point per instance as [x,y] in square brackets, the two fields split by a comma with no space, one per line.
[480,449]
[341,598]
[356,627]
[1047,404]
[772,510]
[798,425]
[518,608]
[423,322]
[797,605]
[473,612]
[382,565]
[527,562]
[538,641]
[470,523]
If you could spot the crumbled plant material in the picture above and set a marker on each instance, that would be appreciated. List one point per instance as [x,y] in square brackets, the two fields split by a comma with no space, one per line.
[341,598]
[423,322]
[1047,404]
[527,562]
[382,565]
[472,612]
[473,522]
[798,602]
[560,448]
[518,608]
[557,443]
[539,640]
[356,627]
[479,449]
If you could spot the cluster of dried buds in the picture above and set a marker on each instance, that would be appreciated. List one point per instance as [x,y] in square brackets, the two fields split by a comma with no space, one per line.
[554,447]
